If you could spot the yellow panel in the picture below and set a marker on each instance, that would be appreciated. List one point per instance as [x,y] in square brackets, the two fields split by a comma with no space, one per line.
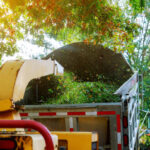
[5,105]
[76,140]
[10,115]
[8,74]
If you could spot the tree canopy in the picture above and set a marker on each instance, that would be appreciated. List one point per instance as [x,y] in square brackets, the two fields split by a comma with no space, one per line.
[140,58]
[97,21]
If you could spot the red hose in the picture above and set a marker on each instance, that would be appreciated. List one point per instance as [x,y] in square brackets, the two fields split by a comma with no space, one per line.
[30,124]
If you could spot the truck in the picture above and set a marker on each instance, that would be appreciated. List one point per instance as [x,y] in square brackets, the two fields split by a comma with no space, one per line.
[116,123]
[103,126]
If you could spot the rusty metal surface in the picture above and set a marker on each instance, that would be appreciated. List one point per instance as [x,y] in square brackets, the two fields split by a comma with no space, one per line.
[25,142]
[29,141]
[88,61]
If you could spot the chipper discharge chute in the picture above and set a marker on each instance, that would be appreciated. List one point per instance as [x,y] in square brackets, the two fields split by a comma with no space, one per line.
[14,77]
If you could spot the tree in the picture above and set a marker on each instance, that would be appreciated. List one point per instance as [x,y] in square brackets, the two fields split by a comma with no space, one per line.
[7,31]
[140,59]
[97,21]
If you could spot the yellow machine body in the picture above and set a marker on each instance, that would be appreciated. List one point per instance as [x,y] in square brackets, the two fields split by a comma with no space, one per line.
[77,140]
[15,76]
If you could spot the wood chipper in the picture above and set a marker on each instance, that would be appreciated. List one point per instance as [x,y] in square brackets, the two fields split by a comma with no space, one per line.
[14,78]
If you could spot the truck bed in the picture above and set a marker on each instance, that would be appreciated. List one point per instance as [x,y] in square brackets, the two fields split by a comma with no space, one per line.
[103,118]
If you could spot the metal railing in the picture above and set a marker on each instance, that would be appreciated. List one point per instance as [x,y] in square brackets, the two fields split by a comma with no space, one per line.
[30,124]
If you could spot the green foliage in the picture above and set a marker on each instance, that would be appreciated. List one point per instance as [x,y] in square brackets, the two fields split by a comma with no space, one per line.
[146,91]
[77,92]
[8,31]
[69,21]
[145,142]
[140,59]
[137,5]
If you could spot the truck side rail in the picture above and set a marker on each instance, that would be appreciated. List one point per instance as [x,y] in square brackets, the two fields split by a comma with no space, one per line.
[72,115]
[128,85]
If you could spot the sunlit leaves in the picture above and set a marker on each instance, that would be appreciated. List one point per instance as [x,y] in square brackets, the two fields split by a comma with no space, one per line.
[94,21]
[137,5]
[15,3]
[7,31]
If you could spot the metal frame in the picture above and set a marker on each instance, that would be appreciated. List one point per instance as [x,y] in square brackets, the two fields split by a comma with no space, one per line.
[30,124]
[133,123]
[71,113]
